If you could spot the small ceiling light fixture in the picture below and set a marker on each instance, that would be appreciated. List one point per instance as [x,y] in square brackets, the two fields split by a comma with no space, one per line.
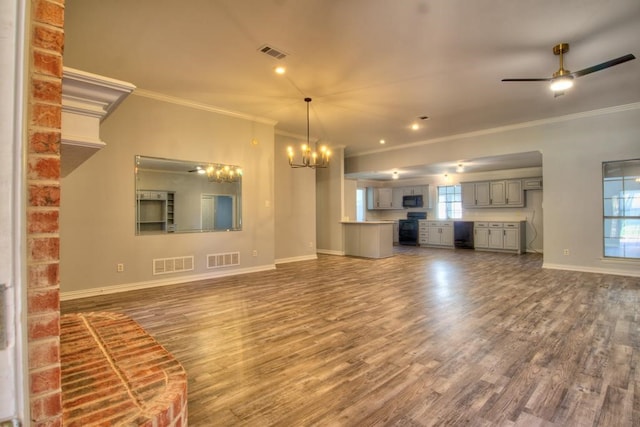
[382,141]
[415,126]
[395,175]
[562,83]
[280,70]
[310,158]
[460,168]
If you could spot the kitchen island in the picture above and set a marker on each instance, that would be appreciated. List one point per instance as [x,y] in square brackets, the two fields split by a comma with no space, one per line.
[369,239]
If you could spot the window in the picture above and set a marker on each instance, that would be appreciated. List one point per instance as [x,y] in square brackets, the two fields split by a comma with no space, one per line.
[621,208]
[360,204]
[449,201]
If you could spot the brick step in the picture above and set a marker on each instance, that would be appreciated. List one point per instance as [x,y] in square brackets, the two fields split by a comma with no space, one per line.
[114,373]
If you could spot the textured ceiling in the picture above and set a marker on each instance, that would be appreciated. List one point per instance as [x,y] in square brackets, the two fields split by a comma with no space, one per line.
[372,67]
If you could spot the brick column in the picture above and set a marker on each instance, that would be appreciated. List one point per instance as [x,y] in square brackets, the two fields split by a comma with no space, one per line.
[44,112]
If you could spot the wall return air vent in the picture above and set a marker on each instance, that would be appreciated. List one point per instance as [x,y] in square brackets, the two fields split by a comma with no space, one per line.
[172,265]
[223,260]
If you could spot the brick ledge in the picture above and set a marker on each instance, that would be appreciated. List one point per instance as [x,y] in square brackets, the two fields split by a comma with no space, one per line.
[114,373]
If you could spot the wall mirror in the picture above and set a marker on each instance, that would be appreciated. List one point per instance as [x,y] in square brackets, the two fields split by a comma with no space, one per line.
[178,196]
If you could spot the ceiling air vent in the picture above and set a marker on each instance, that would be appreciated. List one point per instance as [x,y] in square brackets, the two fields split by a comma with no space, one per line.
[272,52]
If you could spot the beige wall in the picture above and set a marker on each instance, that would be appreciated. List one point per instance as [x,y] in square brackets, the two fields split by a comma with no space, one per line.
[295,202]
[97,216]
[329,205]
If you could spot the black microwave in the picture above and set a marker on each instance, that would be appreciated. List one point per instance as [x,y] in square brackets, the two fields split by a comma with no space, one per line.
[412,201]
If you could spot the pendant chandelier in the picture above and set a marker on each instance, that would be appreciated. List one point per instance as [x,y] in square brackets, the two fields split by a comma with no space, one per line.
[310,158]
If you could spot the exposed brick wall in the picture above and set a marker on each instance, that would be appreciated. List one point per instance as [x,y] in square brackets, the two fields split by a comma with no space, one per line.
[44,105]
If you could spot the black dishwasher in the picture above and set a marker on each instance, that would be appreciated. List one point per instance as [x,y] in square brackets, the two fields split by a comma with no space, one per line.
[408,228]
[463,234]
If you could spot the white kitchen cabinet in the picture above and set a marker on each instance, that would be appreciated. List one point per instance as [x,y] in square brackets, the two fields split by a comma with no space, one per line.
[396,197]
[440,233]
[423,232]
[412,191]
[379,198]
[514,194]
[500,236]
[496,235]
[369,239]
[476,194]
[497,193]
[468,194]
[480,235]
[532,183]
[502,193]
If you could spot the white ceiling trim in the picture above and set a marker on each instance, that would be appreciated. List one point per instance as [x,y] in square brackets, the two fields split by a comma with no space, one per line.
[523,125]
[201,106]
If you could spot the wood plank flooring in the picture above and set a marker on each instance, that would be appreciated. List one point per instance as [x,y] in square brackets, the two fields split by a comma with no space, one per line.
[427,337]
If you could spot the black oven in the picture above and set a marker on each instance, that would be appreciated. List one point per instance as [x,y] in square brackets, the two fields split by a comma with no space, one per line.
[408,228]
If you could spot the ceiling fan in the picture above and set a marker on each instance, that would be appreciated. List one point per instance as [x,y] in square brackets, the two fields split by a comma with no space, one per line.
[563,79]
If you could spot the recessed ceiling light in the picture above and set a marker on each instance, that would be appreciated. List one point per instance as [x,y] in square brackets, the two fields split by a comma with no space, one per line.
[280,70]
[382,141]
[415,126]
[395,175]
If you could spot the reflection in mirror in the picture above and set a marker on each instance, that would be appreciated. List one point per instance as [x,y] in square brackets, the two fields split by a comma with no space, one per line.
[176,196]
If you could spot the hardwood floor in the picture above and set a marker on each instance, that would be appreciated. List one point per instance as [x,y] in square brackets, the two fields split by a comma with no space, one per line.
[427,337]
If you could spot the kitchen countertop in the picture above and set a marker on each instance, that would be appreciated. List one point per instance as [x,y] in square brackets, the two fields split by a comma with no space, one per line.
[369,222]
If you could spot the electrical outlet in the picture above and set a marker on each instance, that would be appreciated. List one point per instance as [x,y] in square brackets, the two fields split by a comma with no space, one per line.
[255,252]
[565,252]
[120,268]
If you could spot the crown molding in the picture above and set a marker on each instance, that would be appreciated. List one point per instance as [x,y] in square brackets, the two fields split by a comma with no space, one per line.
[201,106]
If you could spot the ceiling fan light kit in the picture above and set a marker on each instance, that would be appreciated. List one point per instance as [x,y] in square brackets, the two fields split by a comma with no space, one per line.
[563,79]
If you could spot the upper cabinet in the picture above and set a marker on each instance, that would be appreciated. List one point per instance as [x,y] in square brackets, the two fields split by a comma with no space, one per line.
[501,193]
[380,198]
[391,197]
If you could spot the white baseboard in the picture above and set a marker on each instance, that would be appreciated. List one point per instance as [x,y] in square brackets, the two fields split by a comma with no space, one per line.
[591,269]
[330,252]
[296,259]
[105,290]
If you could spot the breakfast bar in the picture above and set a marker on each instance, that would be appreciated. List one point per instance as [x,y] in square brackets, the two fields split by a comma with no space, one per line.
[369,239]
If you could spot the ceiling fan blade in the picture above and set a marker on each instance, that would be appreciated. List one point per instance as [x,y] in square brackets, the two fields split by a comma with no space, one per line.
[604,65]
[526,80]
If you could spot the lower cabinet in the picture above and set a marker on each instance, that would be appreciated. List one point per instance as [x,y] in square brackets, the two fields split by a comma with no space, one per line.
[439,233]
[423,232]
[500,236]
